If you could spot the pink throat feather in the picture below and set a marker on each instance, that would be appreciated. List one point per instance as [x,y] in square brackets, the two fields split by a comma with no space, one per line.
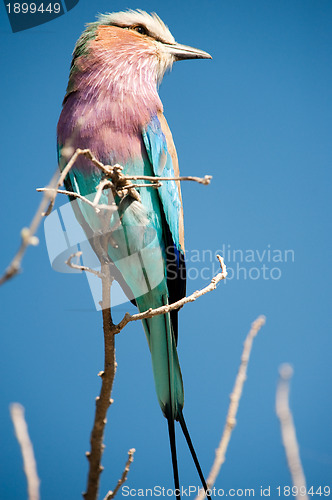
[113,96]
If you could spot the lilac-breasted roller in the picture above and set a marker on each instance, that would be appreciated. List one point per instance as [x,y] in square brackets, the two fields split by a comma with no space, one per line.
[113,108]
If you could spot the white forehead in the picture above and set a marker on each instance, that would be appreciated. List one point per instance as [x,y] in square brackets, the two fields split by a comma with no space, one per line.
[154,25]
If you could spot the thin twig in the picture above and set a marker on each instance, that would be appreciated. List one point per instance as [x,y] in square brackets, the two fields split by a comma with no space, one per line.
[288,432]
[145,185]
[70,193]
[150,313]
[29,462]
[102,185]
[123,479]
[68,167]
[79,267]
[201,180]
[233,406]
[104,400]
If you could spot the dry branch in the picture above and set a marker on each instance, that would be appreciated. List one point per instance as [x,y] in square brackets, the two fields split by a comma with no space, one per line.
[104,400]
[288,432]
[176,305]
[29,462]
[233,407]
[123,478]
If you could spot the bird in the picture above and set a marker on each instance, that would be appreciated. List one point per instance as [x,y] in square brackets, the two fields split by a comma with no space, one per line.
[112,107]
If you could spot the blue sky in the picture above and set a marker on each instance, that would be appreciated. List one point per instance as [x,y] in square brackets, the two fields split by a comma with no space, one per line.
[258,118]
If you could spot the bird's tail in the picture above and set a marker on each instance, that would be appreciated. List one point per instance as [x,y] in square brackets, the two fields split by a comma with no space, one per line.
[169,386]
[171,432]
[192,451]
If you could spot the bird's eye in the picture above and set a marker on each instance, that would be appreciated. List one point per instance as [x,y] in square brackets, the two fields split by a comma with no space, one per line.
[140,29]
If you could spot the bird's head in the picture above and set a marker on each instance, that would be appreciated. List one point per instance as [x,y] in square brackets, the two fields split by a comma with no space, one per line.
[131,43]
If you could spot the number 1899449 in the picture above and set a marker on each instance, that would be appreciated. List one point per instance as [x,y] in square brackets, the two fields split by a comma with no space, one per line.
[33,8]
[294,491]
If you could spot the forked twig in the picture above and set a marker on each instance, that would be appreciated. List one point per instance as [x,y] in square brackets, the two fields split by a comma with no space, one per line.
[79,267]
[121,183]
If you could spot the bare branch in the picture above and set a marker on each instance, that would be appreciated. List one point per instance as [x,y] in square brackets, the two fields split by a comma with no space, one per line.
[114,172]
[29,462]
[123,479]
[288,432]
[233,407]
[176,305]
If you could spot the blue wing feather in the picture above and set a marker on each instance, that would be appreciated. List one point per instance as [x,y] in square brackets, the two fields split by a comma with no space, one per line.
[162,165]
[156,147]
